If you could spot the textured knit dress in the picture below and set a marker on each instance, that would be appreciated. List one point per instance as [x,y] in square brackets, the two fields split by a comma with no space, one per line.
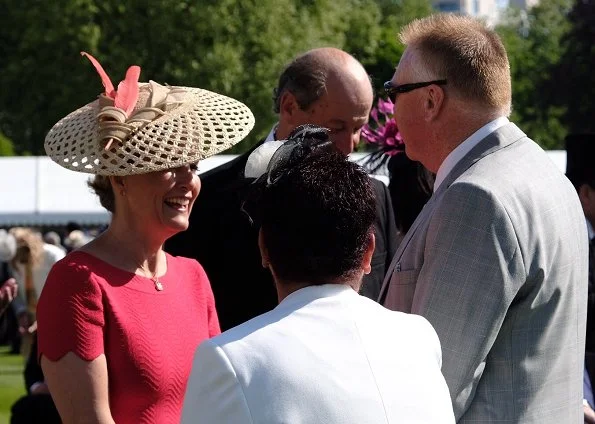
[89,307]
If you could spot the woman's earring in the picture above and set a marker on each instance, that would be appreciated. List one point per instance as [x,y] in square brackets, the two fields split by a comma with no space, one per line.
[122,192]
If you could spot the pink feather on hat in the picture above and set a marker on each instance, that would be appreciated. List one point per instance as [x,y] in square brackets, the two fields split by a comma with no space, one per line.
[127,93]
[107,83]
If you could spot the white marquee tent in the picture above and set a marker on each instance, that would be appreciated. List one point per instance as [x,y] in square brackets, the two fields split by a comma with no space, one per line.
[35,191]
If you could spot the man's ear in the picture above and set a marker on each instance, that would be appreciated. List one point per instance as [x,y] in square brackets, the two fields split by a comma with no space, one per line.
[264,254]
[433,102]
[288,107]
[367,258]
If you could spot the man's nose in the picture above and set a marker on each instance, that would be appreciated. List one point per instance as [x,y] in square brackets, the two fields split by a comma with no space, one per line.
[344,143]
[355,139]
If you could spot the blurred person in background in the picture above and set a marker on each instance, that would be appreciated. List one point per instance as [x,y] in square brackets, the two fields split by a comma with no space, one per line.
[30,266]
[37,406]
[75,240]
[10,302]
[53,238]
[580,170]
[8,285]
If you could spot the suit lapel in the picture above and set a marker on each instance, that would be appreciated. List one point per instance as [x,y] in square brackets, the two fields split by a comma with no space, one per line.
[499,139]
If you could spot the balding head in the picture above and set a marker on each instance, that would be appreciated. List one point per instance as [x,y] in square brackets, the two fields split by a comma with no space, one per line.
[307,75]
[326,87]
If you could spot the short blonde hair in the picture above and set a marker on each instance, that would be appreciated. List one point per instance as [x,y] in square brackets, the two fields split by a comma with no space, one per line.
[462,50]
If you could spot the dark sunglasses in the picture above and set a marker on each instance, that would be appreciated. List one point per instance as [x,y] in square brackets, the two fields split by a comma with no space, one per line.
[392,90]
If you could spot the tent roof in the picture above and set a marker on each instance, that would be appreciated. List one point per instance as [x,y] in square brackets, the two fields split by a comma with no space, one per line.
[36,191]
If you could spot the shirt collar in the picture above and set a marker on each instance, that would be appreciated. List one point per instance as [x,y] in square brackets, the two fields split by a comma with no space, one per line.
[465,147]
[590,230]
[308,293]
[272,134]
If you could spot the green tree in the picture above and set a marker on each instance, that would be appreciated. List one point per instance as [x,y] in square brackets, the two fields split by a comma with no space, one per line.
[233,47]
[573,75]
[40,70]
[533,40]
[385,52]
[6,147]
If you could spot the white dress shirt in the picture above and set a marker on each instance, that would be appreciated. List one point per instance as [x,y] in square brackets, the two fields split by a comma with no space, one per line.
[465,147]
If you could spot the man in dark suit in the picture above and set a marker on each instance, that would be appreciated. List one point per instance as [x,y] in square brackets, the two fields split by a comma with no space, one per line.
[326,87]
[37,405]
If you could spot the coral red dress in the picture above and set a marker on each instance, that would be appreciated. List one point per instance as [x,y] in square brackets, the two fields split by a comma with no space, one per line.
[89,307]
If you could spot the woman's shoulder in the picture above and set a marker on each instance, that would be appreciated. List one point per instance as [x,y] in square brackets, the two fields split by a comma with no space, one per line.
[182,264]
[189,270]
[76,266]
[71,278]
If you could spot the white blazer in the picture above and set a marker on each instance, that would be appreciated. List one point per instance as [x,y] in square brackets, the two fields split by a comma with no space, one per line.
[324,355]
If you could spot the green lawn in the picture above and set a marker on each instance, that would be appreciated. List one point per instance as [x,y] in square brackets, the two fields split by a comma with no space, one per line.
[12,385]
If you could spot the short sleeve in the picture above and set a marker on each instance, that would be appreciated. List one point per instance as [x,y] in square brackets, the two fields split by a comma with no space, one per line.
[70,314]
[213,319]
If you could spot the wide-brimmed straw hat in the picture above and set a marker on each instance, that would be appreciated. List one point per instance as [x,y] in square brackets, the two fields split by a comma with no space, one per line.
[146,127]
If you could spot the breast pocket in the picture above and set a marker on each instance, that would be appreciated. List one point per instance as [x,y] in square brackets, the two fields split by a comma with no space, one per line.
[401,290]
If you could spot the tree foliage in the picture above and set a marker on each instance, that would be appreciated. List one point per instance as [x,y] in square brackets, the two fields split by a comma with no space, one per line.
[239,48]
[533,40]
[231,47]
[573,75]
[382,57]
[6,147]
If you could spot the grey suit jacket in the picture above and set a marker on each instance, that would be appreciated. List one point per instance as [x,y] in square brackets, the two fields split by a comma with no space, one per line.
[497,262]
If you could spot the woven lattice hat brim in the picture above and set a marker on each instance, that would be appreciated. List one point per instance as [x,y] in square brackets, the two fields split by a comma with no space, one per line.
[205,124]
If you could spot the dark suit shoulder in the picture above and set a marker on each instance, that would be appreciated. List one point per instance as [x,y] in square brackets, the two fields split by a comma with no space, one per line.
[381,191]
[385,231]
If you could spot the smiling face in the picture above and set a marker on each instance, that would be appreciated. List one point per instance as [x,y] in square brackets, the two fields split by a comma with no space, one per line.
[161,200]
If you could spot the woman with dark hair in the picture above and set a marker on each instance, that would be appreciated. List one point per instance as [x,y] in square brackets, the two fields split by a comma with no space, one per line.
[119,318]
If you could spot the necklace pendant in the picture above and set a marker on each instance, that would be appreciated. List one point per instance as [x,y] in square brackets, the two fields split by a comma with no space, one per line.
[158,285]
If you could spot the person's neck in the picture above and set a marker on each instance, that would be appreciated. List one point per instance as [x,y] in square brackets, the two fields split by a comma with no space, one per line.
[129,247]
[455,131]
[282,131]
[285,288]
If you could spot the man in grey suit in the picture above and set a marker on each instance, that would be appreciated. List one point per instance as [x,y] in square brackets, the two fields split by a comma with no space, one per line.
[497,259]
